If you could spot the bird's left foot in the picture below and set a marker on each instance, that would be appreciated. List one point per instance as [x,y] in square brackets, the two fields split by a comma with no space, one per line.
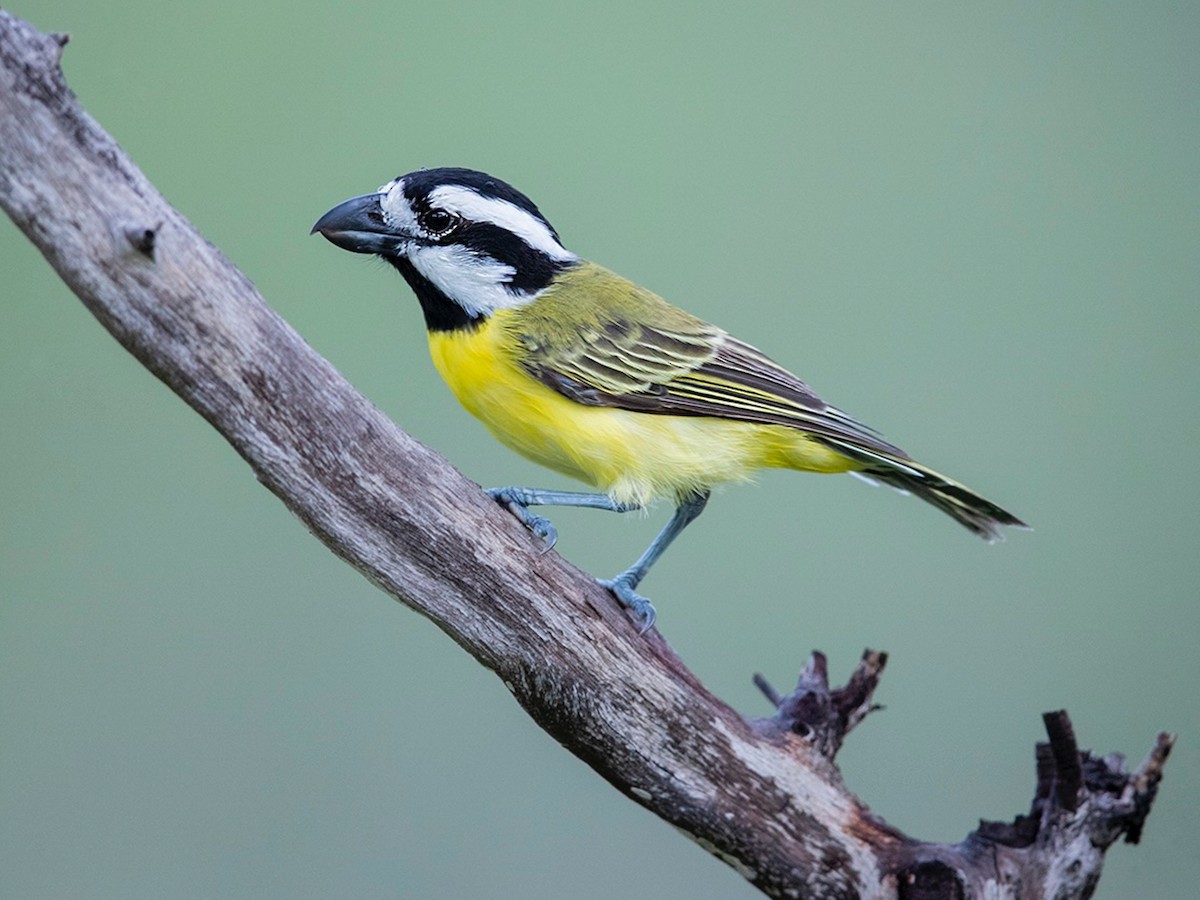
[513,500]
[642,609]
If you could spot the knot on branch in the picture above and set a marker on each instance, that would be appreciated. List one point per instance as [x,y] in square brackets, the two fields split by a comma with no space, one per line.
[143,238]
[930,880]
[823,715]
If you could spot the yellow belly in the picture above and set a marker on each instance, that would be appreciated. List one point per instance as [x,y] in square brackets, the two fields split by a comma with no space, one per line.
[636,457]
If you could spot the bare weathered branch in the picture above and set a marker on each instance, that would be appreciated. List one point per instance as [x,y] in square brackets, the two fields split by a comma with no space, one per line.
[762,795]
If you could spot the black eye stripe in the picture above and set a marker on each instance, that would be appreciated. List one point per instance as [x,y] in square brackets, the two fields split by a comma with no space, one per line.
[532,269]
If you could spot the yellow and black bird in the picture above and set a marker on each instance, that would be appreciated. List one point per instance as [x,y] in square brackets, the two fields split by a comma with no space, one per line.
[591,375]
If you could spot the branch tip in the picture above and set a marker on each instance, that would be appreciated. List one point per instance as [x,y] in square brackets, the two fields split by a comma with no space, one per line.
[815,674]
[1064,752]
[1144,783]
[772,695]
[1152,766]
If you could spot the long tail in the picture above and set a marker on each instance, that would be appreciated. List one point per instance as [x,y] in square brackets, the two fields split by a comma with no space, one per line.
[980,515]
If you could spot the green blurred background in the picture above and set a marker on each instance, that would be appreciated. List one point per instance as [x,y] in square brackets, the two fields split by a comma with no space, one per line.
[976,229]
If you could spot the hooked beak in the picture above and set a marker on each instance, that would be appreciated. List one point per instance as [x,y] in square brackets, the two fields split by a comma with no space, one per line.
[358,225]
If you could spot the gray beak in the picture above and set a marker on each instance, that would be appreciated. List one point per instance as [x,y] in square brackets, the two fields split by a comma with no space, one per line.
[358,225]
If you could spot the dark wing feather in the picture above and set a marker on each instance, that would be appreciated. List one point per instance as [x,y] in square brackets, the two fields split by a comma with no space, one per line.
[757,389]
[675,364]
[623,358]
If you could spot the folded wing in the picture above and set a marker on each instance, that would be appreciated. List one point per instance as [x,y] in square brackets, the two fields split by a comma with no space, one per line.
[686,367]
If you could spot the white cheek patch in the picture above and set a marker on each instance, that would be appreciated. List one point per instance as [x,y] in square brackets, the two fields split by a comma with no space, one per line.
[477,284]
[477,208]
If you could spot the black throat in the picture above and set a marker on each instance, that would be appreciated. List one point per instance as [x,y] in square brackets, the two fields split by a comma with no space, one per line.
[441,313]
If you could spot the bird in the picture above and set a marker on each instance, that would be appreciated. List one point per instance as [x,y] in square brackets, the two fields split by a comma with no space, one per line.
[595,377]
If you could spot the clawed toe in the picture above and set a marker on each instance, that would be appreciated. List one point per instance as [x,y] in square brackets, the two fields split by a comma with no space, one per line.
[514,500]
[642,609]
[543,528]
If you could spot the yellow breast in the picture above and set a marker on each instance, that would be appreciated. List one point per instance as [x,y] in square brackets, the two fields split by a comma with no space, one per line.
[636,457]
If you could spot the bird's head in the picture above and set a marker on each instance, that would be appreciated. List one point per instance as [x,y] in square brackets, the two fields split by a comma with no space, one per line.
[467,243]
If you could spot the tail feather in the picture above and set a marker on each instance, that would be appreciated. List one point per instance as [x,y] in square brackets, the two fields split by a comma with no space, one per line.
[976,513]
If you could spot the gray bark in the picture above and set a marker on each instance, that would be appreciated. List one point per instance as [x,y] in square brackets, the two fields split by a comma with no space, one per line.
[762,795]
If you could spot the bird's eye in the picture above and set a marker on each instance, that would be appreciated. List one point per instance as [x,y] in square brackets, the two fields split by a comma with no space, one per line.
[438,222]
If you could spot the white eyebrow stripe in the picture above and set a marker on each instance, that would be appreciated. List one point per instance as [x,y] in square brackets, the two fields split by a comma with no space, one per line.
[477,208]
[396,209]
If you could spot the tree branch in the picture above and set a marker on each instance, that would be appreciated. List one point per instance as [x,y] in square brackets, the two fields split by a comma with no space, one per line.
[763,795]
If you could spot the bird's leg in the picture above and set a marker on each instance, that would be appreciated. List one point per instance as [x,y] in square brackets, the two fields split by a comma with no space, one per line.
[518,500]
[623,586]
